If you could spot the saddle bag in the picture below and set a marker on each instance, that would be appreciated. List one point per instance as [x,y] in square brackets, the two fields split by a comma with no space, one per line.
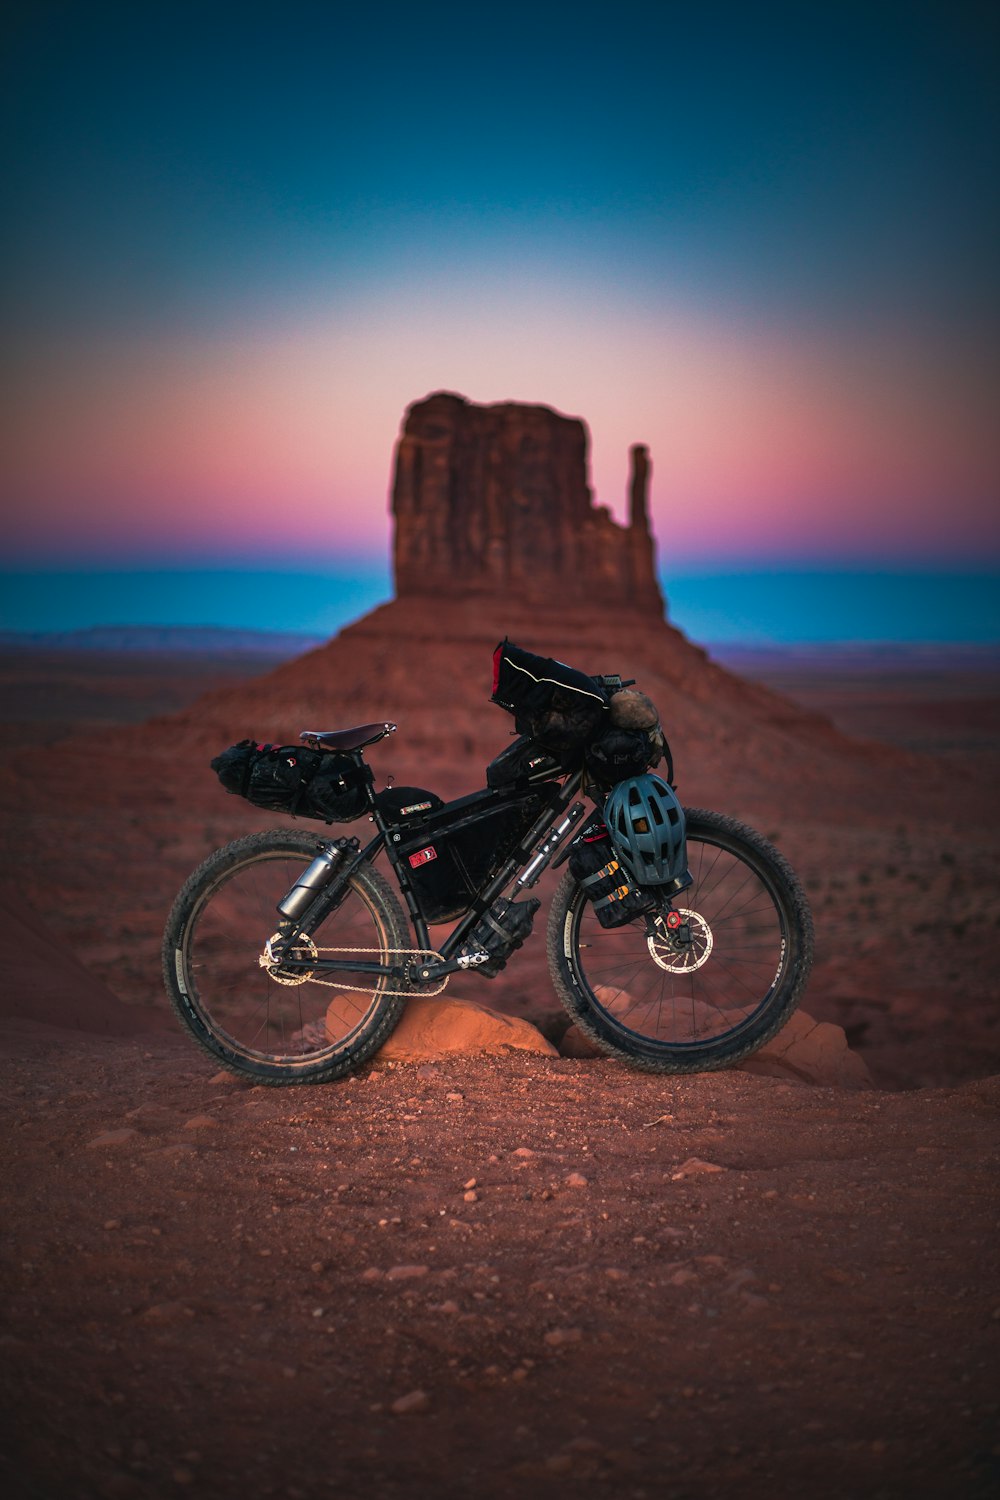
[593,863]
[557,707]
[294,780]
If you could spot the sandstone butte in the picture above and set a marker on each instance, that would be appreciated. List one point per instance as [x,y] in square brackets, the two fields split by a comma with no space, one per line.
[496,534]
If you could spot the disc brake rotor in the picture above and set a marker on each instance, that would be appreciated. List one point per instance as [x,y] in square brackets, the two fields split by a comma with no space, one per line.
[302,949]
[678,954]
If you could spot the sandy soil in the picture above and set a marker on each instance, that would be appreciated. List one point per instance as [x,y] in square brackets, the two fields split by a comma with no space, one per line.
[506,1275]
[492,1276]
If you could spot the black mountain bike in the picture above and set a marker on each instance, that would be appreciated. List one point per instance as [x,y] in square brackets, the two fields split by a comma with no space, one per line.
[289,956]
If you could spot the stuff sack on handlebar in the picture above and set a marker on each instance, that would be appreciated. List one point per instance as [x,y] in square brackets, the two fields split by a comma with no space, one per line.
[291,779]
[613,728]
[559,708]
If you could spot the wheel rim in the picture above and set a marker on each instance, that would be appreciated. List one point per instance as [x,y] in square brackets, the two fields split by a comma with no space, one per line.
[259,1015]
[713,987]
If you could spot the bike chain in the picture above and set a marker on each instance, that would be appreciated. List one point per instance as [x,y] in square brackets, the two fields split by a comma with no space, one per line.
[270,963]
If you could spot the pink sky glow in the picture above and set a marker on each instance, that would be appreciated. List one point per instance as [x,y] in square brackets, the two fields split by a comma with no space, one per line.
[276,439]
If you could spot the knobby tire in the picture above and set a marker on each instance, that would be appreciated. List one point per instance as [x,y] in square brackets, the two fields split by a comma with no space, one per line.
[753,943]
[299,1032]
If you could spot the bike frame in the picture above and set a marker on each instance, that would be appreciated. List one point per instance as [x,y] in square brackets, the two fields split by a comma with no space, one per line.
[525,864]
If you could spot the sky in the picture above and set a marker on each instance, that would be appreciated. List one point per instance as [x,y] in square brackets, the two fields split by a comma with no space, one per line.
[241,240]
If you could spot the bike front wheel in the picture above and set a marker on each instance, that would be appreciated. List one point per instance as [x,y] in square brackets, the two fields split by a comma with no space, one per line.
[715,993]
[288,1025]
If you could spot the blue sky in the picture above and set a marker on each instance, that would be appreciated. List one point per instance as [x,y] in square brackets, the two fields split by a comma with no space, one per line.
[762,240]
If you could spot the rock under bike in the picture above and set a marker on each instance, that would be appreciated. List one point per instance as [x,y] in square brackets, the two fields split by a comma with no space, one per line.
[679,939]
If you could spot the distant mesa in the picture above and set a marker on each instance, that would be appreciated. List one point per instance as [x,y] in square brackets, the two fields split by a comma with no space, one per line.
[494,500]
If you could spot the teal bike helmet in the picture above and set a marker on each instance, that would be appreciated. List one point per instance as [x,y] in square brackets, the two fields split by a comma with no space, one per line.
[646,824]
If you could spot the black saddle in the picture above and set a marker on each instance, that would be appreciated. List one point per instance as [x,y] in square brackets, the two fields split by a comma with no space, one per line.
[346,739]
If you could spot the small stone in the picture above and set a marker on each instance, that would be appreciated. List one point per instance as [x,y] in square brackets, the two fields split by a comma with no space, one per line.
[577,1180]
[471,1197]
[112,1138]
[406,1273]
[455,1098]
[471,1183]
[583,1445]
[695,1167]
[556,1338]
[166,1312]
[525,1151]
[201,1122]
[414,1401]
[112,1223]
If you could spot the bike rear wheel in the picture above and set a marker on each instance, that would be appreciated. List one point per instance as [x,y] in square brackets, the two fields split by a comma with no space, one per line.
[280,1026]
[716,997]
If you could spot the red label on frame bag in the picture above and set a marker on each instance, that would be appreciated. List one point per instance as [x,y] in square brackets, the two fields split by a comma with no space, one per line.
[423,856]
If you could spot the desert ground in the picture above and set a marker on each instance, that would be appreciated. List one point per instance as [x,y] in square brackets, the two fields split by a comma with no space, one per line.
[507,1273]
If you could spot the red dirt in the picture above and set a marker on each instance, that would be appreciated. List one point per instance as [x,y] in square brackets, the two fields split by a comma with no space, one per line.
[502,1275]
[619,1283]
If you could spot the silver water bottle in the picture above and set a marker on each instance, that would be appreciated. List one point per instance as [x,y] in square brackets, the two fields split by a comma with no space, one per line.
[310,882]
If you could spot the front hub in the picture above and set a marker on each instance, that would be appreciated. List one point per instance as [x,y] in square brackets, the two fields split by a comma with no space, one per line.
[680,941]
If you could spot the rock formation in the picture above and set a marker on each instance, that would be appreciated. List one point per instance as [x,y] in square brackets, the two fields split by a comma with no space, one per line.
[495,500]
